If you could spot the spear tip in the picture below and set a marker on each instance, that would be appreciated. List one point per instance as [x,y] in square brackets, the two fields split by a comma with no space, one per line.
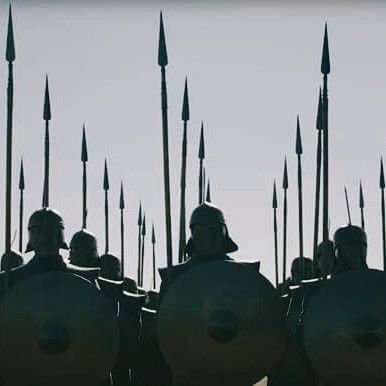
[285,175]
[152,234]
[274,198]
[139,222]
[21,176]
[361,199]
[185,104]
[84,156]
[382,176]
[10,55]
[106,184]
[325,66]
[162,52]
[47,104]
[121,198]
[144,225]
[299,147]
[208,196]
[201,150]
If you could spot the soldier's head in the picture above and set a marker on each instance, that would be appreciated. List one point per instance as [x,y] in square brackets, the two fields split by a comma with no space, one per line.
[324,261]
[110,267]
[46,232]
[350,246]
[12,259]
[84,249]
[301,269]
[209,233]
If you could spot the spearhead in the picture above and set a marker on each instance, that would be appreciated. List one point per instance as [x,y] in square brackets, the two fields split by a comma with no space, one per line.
[10,55]
[274,198]
[208,199]
[185,105]
[139,222]
[201,149]
[285,175]
[319,125]
[152,234]
[299,147]
[121,198]
[325,66]
[21,176]
[47,105]
[361,199]
[162,53]
[144,225]
[106,185]
[84,156]
[382,177]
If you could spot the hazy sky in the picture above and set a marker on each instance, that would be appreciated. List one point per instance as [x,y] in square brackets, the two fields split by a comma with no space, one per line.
[251,69]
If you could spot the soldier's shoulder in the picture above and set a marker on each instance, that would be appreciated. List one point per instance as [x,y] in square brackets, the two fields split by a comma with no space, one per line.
[173,271]
[90,274]
[251,264]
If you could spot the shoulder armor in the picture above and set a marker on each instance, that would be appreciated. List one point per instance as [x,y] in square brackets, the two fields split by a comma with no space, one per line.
[91,274]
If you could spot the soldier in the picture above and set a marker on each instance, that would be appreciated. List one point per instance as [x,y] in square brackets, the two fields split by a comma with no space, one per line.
[350,246]
[324,261]
[46,238]
[209,241]
[84,249]
[13,259]
[110,267]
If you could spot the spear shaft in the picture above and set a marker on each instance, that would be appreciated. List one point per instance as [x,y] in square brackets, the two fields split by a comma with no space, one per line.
[84,214]
[122,246]
[139,223]
[143,249]
[200,182]
[361,205]
[274,206]
[325,159]
[8,184]
[181,250]
[21,205]
[154,263]
[383,228]
[106,221]
[46,165]
[284,235]
[165,138]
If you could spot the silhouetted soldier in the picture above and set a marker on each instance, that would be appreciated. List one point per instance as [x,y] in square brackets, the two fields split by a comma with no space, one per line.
[350,246]
[209,241]
[84,249]
[324,261]
[12,258]
[110,267]
[46,238]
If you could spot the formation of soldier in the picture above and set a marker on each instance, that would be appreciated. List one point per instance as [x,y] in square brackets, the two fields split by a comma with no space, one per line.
[215,321]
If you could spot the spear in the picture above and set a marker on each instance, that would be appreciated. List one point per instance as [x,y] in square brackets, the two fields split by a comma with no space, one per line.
[162,62]
[361,205]
[208,198]
[285,187]
[154,265]
[325,69]
[21,205]
[122,207]
[10,57]
[47,118]
[274,206]
[319,128]
[143,248]
[201,156]
[84,159]
[347,206]
[185,118]
[106,187]
[139,223]
[382,186]
[299,152]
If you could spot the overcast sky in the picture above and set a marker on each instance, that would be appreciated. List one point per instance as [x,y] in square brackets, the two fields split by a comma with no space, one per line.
[251,69]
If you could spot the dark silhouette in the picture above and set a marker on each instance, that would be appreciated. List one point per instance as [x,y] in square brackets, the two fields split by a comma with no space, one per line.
[285,210]
[21,205]
[274,207]
[139,223]
[299,152]
[361,205]
[47,118]
[201,156]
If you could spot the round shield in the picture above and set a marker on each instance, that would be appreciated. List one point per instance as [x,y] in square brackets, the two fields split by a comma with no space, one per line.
[56,329]
[221,321]
[345,329]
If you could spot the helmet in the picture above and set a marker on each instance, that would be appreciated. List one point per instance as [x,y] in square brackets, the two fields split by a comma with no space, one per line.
[12,258]
[206,213]
[209,214]
[110,267]
[49,218]
[349,234]
[84,249]
[300,263]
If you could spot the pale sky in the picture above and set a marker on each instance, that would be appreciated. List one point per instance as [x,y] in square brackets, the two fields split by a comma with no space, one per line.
[251,69]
